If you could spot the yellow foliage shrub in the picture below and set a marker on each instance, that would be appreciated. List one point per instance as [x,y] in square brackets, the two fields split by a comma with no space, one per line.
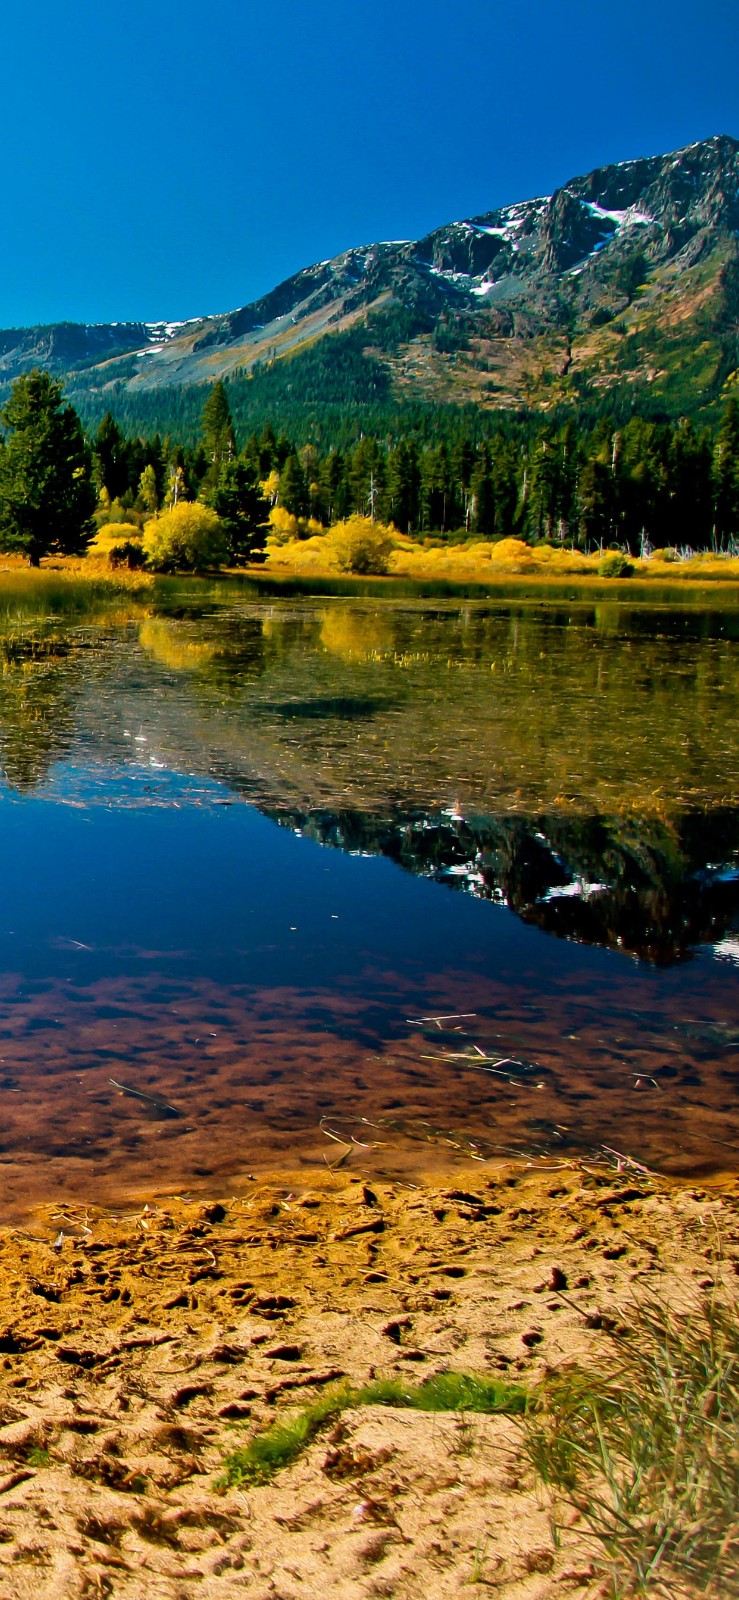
[283,525]
[361,545]
[509,551]
[112,534]
[190,537]
[302,555]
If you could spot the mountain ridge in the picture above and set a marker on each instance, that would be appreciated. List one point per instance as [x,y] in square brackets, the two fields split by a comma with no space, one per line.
[628,274]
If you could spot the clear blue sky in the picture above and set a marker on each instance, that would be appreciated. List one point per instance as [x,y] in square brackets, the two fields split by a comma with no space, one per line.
[165,159]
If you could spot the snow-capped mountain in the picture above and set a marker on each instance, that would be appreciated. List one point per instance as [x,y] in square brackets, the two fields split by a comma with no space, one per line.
[513,304]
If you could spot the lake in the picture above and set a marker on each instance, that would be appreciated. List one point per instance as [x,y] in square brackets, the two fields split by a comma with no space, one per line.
[357,873]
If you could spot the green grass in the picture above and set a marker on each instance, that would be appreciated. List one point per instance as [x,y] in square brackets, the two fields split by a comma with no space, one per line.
[648,1451]
[281,1444]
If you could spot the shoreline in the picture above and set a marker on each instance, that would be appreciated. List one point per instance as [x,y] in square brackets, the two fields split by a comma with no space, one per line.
[138,1347]
[648,581]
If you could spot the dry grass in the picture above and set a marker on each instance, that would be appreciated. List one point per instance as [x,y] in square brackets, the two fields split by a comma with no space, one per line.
[480,561]
[477,561]
[91,568]
[648,1451]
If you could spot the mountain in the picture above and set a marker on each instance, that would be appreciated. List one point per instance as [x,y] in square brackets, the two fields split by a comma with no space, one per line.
[628,276]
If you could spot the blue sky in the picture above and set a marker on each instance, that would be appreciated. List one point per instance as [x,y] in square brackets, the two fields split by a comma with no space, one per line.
[167,159]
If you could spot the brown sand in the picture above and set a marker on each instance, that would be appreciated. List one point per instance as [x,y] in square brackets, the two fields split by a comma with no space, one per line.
[138,1348]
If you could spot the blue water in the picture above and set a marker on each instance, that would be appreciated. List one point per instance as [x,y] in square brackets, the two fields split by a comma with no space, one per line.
[190,981]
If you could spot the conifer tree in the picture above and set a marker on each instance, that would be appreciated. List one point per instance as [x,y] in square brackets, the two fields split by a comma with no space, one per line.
[267,451]
[438,503]
[238,500]
[482,492]
[366,476]
[690,488]
[217,426]
[111,458]
[47,495]
[403,485]
[542,488]
[726,472]
[293,487]
[334,488]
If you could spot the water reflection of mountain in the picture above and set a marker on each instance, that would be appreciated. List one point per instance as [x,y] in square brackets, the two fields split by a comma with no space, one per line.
[578,764]
[653,890]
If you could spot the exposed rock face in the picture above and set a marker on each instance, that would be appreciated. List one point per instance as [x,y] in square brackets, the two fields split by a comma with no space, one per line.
[666,226]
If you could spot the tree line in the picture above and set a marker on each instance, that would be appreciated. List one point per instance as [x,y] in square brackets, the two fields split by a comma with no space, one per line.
[636,484]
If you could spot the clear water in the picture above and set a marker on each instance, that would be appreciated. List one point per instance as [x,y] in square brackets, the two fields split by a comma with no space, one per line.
[251,836]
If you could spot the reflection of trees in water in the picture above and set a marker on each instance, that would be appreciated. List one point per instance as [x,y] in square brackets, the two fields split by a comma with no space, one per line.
[545,712]
[51,633]
[531,707]
[650,888]
[39,683]
[353,635]
[225,656]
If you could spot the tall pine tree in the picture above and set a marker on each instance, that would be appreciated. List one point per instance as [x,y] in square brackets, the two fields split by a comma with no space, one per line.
[217,427]
[47,495]
[238,500]
[726,472]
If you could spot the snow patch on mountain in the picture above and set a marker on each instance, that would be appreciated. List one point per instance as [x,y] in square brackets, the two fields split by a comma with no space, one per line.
[631,218]
[168,330]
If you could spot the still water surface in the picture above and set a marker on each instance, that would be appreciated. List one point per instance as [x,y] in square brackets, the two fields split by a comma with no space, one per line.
[252,839]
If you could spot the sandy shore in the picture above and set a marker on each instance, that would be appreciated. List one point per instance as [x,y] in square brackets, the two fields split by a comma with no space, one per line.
[138,1348]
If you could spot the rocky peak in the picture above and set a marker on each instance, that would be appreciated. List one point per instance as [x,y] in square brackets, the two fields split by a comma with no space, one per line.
[523,262]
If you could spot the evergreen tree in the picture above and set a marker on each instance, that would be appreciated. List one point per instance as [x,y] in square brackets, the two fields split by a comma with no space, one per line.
[690,487]
[282,449]
[640,475]
[543,483]
[482,493]
[293,487]
[504,471]
[238,501]
[463,466]
[596,502]
[47,495]
[334,487]
[438,504]
[726,472]
[217,426]
[366,477]
[111,458]
[267,451]
[403,486]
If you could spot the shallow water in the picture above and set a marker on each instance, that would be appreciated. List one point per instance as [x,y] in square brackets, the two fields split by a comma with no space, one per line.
[252,836]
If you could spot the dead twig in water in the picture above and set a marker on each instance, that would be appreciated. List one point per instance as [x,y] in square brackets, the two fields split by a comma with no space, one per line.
[451,1016]
[626,1163]
[149,1099]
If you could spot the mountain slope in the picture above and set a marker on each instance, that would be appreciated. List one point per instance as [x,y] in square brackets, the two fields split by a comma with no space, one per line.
[628,275]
